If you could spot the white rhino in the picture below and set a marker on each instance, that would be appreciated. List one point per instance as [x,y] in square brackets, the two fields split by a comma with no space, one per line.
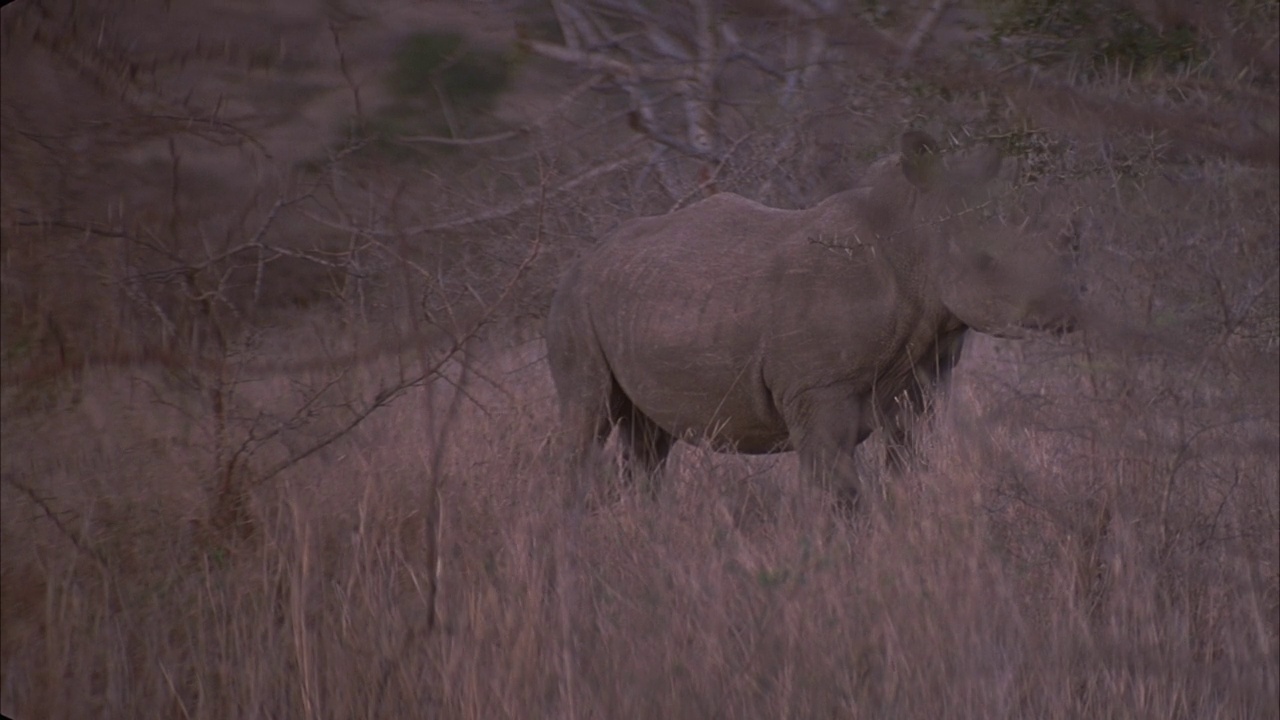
[761,330]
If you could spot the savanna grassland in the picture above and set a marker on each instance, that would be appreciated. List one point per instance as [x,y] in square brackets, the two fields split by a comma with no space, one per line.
[279,439]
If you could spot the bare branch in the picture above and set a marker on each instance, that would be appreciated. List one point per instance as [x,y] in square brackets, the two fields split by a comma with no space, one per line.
[643,122]
[76,539]
[700,94]
[630,156]
[465,142]
[923,28]
[603,63]
[427,371]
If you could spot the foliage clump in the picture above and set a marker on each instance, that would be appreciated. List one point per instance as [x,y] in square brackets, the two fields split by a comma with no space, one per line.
[1093,34]
[440,85]
[431,63]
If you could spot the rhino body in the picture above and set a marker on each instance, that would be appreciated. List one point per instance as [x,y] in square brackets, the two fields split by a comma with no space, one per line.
[761,330]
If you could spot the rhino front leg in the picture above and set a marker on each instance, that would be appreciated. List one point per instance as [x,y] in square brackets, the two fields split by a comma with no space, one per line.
[911,412]
[826,427]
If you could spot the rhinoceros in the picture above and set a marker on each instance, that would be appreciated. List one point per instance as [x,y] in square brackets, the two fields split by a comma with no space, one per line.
[759,330]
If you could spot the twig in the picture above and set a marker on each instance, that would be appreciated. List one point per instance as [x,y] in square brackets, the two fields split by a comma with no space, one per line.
[600,62]
[465,142]
[498,213]
[927,22]
[346,71]
[74,537]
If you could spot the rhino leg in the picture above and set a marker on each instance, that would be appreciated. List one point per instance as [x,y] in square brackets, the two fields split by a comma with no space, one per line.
[584,384]
[826,427]
[586,426]
[592,404]
[643,443]
[914,409]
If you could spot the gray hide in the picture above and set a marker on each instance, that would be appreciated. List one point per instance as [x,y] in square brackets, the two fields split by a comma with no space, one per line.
[761,330]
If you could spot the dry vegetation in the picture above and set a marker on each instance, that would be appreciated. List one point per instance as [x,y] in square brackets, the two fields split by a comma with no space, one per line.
[278,431]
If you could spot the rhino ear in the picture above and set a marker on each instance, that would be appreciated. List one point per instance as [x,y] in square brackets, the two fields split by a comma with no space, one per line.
[919,158]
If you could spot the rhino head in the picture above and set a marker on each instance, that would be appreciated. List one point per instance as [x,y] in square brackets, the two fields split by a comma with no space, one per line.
[756,329]
[994,279]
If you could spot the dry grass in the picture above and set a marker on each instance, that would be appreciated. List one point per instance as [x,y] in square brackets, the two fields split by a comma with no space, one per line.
[988,588]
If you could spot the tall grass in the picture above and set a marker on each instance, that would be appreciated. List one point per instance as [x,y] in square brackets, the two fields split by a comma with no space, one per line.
[986,587]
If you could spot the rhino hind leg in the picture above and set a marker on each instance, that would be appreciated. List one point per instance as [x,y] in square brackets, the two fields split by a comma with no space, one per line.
[584,384]
[586,427]
[644,445]
[592,406]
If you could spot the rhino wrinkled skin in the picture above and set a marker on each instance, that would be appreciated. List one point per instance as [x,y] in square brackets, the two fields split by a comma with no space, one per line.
[760,330]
